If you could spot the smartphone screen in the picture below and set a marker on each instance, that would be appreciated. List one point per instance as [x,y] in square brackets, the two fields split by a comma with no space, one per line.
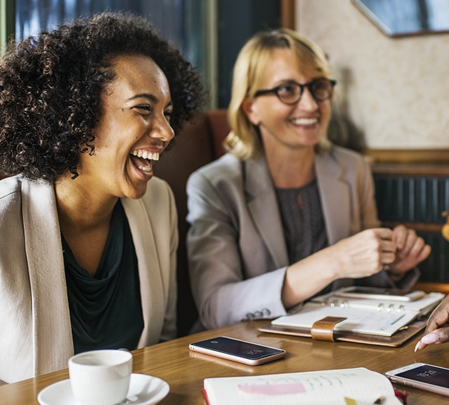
[427,374]
[238,350]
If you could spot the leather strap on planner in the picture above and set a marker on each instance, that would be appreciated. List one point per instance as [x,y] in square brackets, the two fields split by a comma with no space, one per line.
[324,328]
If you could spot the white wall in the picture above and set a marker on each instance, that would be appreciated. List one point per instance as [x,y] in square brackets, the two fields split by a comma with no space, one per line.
[395,90]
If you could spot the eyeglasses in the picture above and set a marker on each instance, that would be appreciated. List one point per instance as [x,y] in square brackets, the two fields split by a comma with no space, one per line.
[290,92]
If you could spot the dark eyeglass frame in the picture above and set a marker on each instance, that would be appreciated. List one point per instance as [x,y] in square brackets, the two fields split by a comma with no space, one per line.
[308,85]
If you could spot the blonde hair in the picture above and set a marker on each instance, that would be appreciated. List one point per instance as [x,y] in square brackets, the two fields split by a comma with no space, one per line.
[244,140]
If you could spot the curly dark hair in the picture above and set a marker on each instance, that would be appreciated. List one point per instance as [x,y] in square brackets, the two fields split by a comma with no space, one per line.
[51,86]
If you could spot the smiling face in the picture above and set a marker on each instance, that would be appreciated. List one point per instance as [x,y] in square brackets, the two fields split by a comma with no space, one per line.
[133,130]
[287,127]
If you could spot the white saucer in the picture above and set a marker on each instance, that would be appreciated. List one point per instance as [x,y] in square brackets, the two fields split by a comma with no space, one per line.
[143,390]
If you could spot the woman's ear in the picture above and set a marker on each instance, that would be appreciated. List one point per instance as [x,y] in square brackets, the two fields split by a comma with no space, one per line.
[251,111]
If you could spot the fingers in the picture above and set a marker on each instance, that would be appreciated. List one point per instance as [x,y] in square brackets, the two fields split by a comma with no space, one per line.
[404,238]
[415,246]
[363,254]
[411,249]
[383,233]
[400,236]
[437,330]
[383,242]
[407,241]
[439,317]
[366,252]
[435,337]
[387,247]
[426,340]
[424,254]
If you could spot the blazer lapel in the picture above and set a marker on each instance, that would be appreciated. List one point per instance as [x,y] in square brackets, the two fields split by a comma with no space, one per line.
[263,207]
[334,195]
[151,286]
[53,343]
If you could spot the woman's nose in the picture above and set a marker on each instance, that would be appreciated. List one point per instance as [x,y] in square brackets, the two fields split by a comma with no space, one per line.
[162,130]
[307,101]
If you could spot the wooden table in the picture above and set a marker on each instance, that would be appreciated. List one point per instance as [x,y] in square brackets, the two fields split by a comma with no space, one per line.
[185,371]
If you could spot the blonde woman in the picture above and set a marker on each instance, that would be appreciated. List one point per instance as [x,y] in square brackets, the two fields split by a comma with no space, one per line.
[285,215]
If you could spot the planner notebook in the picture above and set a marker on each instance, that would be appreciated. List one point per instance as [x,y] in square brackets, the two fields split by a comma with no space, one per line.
[354,386]
[371,321]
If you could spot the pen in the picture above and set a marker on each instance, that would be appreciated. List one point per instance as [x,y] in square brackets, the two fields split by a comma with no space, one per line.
[379,400]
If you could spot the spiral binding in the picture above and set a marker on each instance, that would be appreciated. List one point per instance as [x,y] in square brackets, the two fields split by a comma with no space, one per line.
[333,302]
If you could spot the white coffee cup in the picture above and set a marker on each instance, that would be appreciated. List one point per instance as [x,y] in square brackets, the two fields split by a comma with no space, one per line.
[100,377]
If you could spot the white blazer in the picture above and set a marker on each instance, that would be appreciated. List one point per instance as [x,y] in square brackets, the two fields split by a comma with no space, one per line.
[35,332]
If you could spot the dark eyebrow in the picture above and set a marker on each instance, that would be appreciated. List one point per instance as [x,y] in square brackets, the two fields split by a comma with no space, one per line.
[150,97]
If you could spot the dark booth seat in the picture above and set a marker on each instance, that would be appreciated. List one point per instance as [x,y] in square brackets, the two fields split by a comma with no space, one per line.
[197,144]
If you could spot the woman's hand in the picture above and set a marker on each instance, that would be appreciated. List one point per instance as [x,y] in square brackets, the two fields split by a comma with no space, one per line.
[437,330]
[410,251]
[361,255]
[357,256]
[364,254]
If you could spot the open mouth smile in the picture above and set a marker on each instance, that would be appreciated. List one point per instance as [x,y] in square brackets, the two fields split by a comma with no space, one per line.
[143,160]
[304,121]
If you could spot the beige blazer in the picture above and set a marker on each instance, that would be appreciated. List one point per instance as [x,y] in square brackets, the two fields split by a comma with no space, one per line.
[35,334]
[236,246]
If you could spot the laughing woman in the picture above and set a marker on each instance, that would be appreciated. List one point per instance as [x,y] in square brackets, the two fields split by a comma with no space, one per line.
[87,252]
[286,215]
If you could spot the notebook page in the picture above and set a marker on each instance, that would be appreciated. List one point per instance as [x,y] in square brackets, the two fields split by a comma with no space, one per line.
[361,320]
[317,387]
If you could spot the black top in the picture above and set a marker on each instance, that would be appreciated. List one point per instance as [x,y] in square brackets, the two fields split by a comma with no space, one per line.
[106,311]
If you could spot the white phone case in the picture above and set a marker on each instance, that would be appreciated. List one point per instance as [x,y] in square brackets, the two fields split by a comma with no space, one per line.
[235,356]
[429,372]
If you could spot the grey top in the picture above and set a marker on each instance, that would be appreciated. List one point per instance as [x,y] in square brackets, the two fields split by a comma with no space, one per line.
[302,219]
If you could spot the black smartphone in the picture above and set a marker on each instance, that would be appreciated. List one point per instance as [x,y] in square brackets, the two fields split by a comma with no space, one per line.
[423,376]
[238,350]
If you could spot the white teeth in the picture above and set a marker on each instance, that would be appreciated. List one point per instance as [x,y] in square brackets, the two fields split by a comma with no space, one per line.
[145,155]
[145,169]
[305,121]
[137,153]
